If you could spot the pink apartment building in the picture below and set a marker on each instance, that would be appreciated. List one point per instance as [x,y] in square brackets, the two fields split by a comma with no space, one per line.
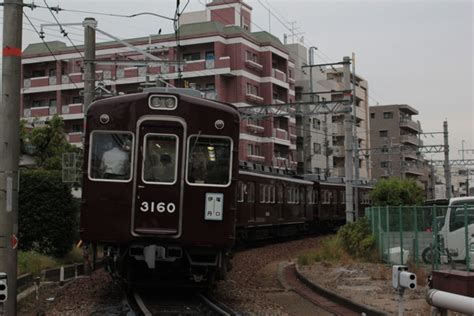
[225,60]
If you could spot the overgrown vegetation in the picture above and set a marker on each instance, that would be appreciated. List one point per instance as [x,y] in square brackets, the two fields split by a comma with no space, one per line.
[34,262]
[47,213]
[395,191]
[352,242]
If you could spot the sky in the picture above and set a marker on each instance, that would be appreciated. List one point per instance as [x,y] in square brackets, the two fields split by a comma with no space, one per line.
[418,53]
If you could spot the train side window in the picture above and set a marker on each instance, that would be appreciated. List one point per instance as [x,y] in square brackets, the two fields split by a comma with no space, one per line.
[289,193]
[296,195]
[334,197]
[110,156]
[343,196]
[279,193]
[302,195]
[271,193]
[315,196]
[159,164]
[325,199]
[209,160]
[309,196]
[240,191]
[262,189]
[251,192]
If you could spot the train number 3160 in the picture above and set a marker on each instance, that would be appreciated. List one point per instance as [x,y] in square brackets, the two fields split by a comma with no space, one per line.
[159,207]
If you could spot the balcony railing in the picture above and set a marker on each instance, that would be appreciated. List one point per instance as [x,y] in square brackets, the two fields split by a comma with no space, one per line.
[280,133]
[254,98]
[338,151]
[256,158]
[75,108]
[410,124]
[278,74]
[411,139]
[74,137]
[253,65]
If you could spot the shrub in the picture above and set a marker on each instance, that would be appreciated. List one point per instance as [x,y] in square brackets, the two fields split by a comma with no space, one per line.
[330,250]
[356,239]
[47,213]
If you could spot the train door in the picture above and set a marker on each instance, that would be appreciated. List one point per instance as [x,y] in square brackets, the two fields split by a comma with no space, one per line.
[158,187]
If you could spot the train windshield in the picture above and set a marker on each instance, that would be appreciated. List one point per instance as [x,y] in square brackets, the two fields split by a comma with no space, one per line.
[160,158]
[110,156]
[209,160]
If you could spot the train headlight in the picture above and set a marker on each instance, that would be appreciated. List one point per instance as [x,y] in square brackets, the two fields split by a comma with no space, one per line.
[163,102]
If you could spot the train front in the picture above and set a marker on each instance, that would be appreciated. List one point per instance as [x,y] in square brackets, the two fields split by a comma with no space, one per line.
[160,185]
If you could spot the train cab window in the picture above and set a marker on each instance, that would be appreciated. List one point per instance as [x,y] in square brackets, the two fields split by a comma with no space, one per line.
[251,192]
[279,193]
[209,160]
[159,163]
[325,196]
[110,156]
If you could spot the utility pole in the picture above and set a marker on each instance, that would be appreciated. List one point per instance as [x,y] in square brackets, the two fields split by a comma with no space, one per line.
[447,167]
[10,147]
[356,139]
[348,142]
[306,119]
[468,171]
[90,25]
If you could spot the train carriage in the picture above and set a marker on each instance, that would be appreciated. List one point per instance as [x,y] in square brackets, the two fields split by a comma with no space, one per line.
[159,184]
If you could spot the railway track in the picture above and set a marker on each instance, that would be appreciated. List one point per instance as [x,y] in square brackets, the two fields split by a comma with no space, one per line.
[153,302]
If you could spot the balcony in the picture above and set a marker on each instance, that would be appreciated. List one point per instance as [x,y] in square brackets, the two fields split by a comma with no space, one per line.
[210,94]
[279,101]
[39,111]
[338,151]
[411,125]
[257,129]
[411,154]
[256,158]
[338,172]
[278,74]
[409,139]
[412,168]
[74,137]
[280,133]
[253,65]
[339,129]
[254,98]
[281,162]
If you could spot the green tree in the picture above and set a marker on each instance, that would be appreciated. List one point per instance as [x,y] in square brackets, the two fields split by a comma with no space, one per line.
[47,214]
[395,191]
[47,143]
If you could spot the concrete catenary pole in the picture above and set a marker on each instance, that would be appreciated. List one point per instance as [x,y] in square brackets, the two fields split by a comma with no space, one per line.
[10,145]
[307,119]
[447,167]
[348,139]
[89,55]
[356,139]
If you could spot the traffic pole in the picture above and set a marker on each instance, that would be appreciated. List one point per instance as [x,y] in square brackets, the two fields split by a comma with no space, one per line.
[10,146]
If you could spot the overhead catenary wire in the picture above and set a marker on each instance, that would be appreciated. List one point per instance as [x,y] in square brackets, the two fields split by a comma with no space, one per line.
[47,46]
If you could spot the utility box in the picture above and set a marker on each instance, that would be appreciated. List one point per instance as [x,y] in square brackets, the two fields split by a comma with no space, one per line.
[454,281]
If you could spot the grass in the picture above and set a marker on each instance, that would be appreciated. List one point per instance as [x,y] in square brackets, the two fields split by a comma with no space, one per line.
[330,250]
[34,262]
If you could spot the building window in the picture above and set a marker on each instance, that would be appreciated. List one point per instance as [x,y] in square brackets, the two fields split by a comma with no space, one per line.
[316,124]
[317,148]
[387,115]
[76,100]
[384,164]
[52,102]
[372,115]
[251,56]
[383,133]
[39,103]
[257,150]
[252,89]
[191,56]
[249,149]
[52,72]
[76,128]
[385,149]
[38,73]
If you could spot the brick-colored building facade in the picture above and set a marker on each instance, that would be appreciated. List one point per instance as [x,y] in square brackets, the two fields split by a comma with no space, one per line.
[224,59]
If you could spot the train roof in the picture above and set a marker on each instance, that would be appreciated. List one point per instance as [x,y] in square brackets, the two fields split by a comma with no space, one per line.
[187,95]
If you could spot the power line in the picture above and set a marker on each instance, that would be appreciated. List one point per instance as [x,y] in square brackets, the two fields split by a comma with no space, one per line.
[47,46]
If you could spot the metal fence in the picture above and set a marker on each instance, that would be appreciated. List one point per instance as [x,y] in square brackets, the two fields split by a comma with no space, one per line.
[435,235]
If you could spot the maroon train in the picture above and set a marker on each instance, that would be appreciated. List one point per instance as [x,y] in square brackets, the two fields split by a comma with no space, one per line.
[163,193]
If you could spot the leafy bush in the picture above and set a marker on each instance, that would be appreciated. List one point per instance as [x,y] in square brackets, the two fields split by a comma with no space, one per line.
[397,192]
[356,239]
[47,213]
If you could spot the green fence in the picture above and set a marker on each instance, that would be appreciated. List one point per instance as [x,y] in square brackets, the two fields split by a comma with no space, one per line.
[423,235]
